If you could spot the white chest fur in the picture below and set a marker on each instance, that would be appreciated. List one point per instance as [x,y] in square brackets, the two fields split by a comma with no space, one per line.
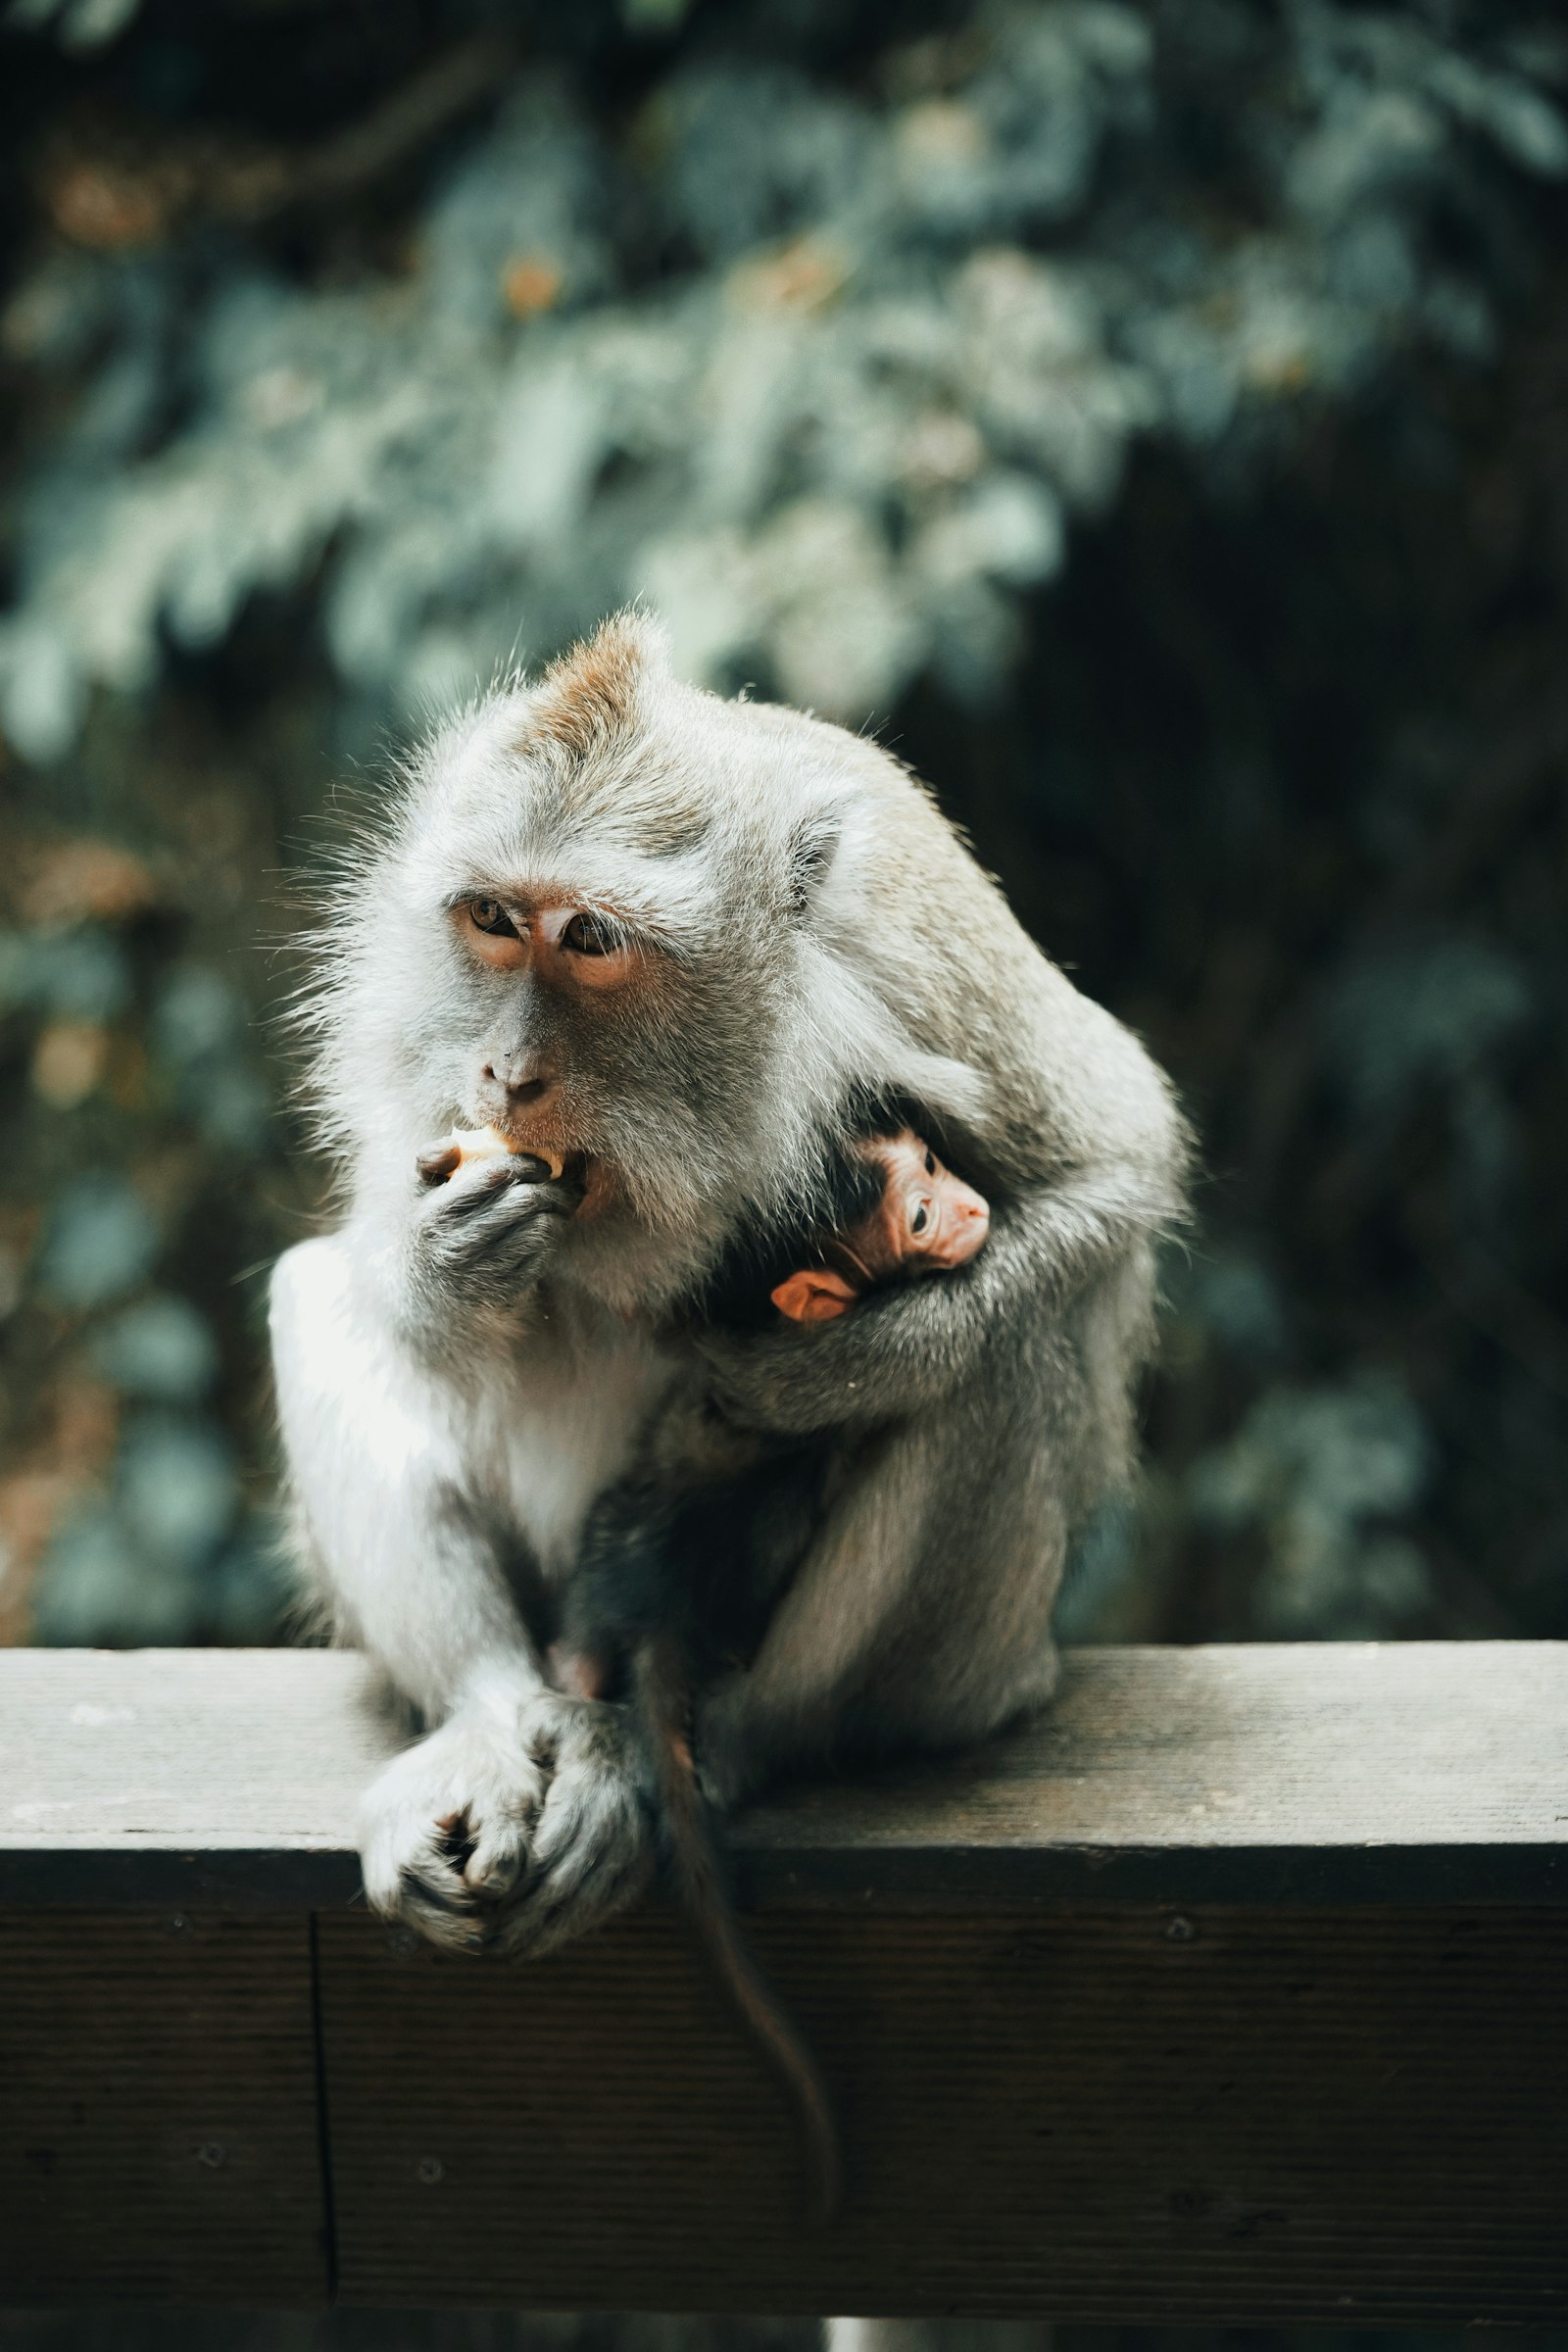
[558,1423]
[535,1427]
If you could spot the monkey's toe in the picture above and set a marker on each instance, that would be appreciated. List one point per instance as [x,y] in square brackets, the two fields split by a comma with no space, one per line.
[435,1903]
[496,1859]
[592,1851]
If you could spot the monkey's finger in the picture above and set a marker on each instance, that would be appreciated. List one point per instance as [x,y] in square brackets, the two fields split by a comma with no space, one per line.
[500,1855]
[454,1925]
[592,1854]
[508,1214]
[434,1167]
[557,1912]
[478,1189]
[424,1892]
[526,1167]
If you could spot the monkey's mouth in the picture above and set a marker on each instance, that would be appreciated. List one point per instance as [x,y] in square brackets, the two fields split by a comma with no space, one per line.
[536,1159]
[564,1166]
[559,1160]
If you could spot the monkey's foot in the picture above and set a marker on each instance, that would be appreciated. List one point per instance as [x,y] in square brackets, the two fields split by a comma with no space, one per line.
[591,1851]
[444,1831]
[520,1826]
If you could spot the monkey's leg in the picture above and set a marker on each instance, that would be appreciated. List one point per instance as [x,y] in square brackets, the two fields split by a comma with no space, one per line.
[514,1779]
[624,1587]
[921,1615]
[998,1399]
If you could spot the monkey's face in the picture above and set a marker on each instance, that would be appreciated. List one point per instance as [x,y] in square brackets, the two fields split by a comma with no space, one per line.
[572,1004]
[595,1012]
[927,1220]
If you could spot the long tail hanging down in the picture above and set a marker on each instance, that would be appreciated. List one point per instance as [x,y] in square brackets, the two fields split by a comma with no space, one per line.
[664,1705]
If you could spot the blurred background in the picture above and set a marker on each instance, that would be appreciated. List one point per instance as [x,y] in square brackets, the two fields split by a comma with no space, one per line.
[1150,419]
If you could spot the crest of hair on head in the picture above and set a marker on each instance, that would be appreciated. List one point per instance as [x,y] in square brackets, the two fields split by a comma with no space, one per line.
[588,698]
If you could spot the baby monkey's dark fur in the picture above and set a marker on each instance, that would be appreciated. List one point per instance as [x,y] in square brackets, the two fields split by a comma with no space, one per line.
[681,1566]
[702,1536]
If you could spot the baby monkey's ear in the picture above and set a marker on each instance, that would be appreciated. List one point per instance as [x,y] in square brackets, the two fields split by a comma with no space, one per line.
[814,846]
[813,1295]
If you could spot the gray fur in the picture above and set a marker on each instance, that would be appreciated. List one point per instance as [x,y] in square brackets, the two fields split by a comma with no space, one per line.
[808,924]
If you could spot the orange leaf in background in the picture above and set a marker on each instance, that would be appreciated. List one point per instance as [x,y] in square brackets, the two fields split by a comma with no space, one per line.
[798,277]
[87,877]
[531,283]
[68,1062]
[110,208]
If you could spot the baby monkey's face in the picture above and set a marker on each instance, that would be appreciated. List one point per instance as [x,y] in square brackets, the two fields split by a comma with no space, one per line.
[927,1219]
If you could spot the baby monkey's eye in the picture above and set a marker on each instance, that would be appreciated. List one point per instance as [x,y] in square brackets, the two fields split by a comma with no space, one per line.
[586,935]
[930,1164]
[922,1217]
[488,914]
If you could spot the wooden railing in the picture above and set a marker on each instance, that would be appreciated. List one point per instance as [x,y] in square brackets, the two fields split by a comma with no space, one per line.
[1235,1990]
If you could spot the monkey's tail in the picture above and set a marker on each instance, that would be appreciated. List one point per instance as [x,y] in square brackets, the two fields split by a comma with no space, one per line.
[664,1704]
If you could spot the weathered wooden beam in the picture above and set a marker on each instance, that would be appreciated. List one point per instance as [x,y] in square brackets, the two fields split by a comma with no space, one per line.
[1235,1991]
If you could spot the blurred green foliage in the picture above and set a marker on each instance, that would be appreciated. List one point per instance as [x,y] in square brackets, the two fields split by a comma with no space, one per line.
[1144,415]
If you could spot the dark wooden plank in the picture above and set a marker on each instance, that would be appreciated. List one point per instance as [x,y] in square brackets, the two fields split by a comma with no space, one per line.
[1336,2096]
[1221,2117]
[1332,1773]
[158,2108]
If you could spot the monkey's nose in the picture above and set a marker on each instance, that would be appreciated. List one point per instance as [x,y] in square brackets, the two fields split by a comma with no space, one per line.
[974,1220]
[522,1082]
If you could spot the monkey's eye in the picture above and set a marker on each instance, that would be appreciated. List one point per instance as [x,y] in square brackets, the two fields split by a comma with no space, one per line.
[922,1217]
[488,914]
[930,1164]
[588,935]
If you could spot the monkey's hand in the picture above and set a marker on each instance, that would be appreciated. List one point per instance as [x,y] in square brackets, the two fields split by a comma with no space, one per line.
[520,1826]
[483,1234]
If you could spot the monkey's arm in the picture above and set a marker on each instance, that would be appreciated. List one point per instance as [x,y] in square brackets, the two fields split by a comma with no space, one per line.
[909,1346]
[385,1501]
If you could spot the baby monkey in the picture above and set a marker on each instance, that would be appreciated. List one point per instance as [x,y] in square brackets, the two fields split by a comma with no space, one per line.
[683,1560]
[912,1216]
[702,1531]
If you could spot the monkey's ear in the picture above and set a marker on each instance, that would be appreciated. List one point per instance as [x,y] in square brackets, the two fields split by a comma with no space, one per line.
[813,1295]
[813,845]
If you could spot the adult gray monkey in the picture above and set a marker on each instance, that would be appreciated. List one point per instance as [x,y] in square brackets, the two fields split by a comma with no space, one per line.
[667,942]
